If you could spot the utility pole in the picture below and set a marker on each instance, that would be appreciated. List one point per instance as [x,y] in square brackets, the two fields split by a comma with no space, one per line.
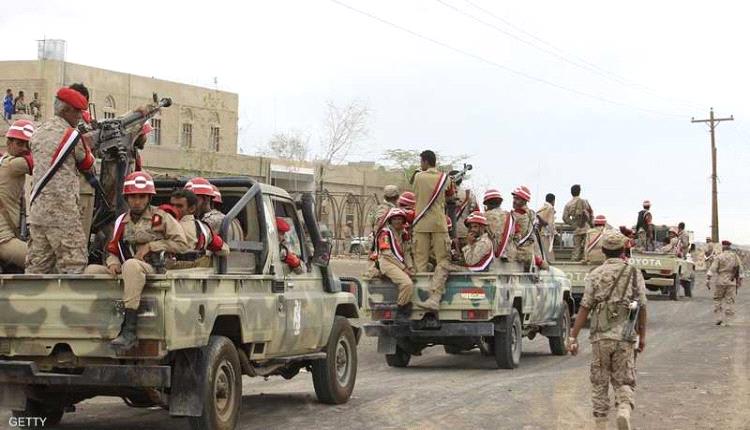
[712,124]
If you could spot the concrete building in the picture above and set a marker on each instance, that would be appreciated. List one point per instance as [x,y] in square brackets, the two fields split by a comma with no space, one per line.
[197,135]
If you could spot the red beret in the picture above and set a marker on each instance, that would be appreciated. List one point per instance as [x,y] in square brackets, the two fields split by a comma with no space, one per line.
[281,225]
[73,98]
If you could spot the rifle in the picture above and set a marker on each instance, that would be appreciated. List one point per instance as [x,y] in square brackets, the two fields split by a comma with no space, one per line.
[23,226]
[634,309]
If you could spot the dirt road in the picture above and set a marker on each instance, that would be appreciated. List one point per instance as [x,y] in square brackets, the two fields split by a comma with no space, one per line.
[693,375]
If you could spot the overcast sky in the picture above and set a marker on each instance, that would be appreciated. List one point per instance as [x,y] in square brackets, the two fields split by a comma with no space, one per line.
[545,94]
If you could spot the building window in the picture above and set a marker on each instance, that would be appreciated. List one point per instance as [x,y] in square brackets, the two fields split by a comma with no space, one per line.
[214,138]
[187,135]
[155,137]
[109,115]
[109,107]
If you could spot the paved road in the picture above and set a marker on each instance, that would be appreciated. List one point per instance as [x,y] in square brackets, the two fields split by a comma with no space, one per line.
[693,375]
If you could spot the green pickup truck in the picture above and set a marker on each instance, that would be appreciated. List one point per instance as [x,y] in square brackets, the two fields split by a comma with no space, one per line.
[490,310]
[199,330]
[665,272]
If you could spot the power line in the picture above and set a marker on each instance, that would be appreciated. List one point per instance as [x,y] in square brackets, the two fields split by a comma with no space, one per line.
[576,61]
[502,66]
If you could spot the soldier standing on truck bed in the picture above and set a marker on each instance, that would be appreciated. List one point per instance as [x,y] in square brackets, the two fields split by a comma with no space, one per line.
[593,253]
[58,242]
[430,230]
[615,297]
[395,259]
[546,217]
[578,214]
[642,214]
[524,219]
[139,236]
[202,240]
[726,272]
[15,164]
[500,224]
[684,237]
[465,208]
[478,252]
[646,234]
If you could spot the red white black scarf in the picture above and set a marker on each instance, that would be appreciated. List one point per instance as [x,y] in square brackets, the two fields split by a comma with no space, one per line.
[66,146]
[435,194]
[595,241]
[395,247]
[508,228]
[483,264]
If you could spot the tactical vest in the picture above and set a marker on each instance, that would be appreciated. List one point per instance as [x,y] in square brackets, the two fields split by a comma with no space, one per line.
[608,314]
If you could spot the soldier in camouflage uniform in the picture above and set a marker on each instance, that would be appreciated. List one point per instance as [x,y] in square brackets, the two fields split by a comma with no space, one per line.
[140,235]
[546,217]
[684,237]
[478,252]
[15,164]
[673,245]
[395,259]
[523,234]
[609,292]
[593,253]
[390,200]
[463,210]
[578,213]
[496,223]
[726,273]
[202,241]
[207,195]
[58,242]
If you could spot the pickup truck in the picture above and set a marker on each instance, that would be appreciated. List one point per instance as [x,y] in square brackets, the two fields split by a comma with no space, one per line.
[199,330]
[576,271]
[490,310]
[664,272]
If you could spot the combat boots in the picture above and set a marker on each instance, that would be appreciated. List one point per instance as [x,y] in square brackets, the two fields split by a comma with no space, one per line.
[126,340]
[600,423]
[403,314]
[433,302]
[623,416]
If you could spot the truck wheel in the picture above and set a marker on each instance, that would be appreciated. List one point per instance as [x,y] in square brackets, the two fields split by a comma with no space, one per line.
[675,287]
[399,359]
[52,413]
[557,343]
[333,378]
[688,287]
[222,386]
[508,341]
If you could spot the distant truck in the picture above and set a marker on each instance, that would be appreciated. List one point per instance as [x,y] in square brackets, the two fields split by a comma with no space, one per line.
[576,271]
[490,310]
[665,272]
[199,329]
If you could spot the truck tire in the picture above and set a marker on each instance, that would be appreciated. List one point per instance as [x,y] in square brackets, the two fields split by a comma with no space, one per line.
[675,289]
[399,359]
[557,343]
[508,341]
[222,386]
[688,287]
[334,377]
[52,413]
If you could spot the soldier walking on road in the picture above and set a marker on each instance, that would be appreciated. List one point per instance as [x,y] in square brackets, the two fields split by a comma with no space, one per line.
[615,297]
[578,214]
[546,217]
[395,259]
[58,242]
[430,229]
[726,272]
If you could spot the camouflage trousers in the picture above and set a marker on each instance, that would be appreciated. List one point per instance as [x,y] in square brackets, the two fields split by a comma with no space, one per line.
[613,363]
[13,251]
[547,242]
[524,254]
[134,273]
[400,278]
[724,297]
[57,249]
[579,243]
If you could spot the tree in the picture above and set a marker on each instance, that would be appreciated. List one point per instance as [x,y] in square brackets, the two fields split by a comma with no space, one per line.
[407,161]
[344,128]
[292,145]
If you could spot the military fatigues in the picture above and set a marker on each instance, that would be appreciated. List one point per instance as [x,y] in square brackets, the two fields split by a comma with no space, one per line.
[674,247]
[198,244]
[390,244]
[684,243]
[376,218]
[496,228]
[547,214]
[523,240]
[13,171]
[478,251]
[215,217]
[431,231]
[613,354]
[155,229]
[593,252]
[722,272]
[578,214]
[57,240]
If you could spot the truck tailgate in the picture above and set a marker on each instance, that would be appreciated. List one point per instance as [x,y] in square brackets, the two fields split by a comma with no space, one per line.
[39,311]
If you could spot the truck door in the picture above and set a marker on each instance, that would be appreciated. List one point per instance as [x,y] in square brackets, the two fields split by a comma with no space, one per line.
[302,297]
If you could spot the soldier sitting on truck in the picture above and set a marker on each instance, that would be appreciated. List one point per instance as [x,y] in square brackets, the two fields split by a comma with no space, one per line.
[593,253]
[499,222]
[202,239]
[15,164]
[523,233]
[395,259]
[287,256]
[478,251]
[206,211]
[674,245]
[139,236]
